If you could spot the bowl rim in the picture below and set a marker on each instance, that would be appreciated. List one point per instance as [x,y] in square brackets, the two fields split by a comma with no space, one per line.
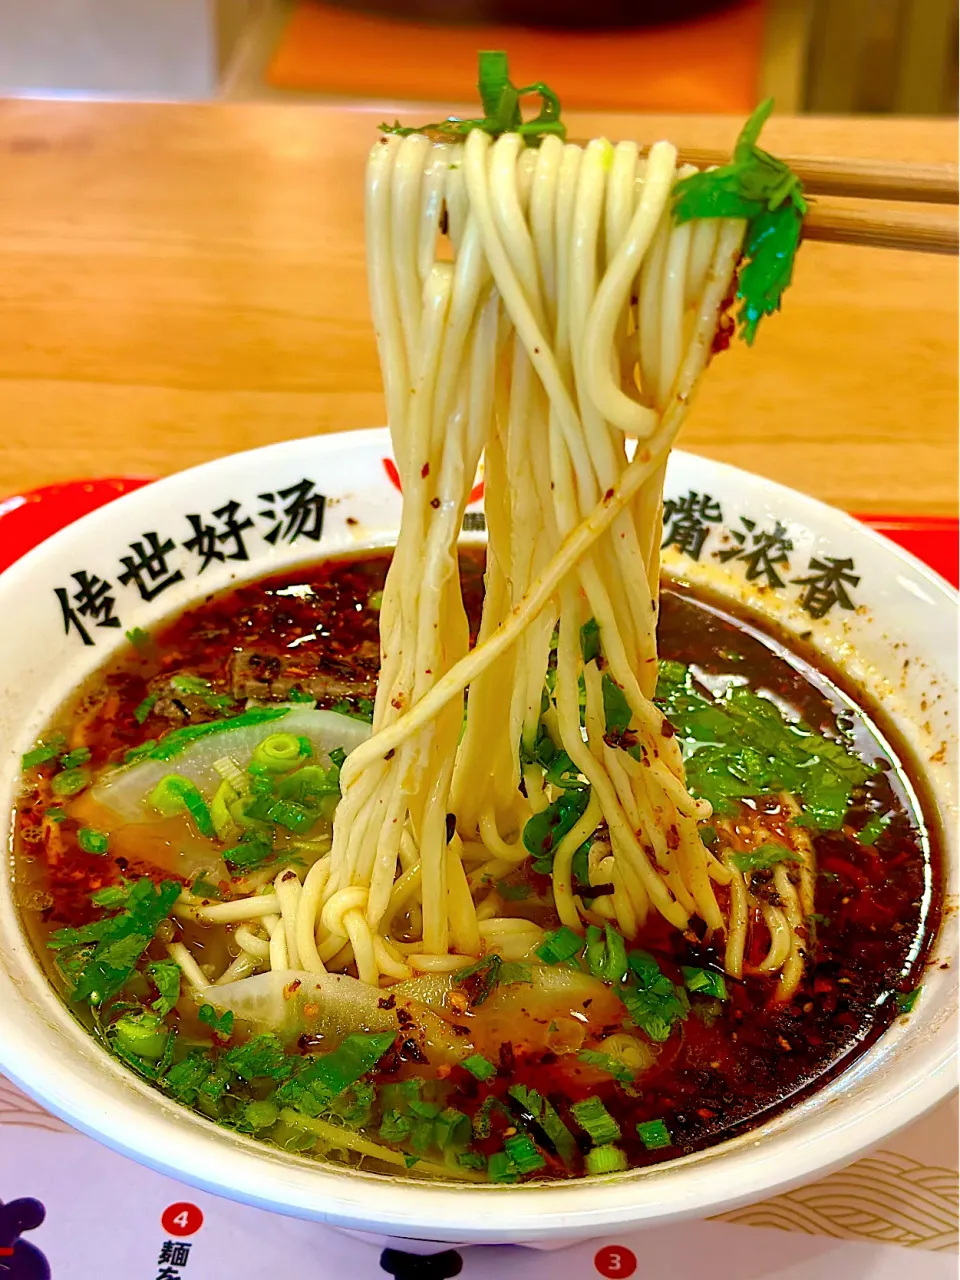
[140,1123]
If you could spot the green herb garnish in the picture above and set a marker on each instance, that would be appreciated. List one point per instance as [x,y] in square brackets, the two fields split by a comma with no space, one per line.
[166,978]
[143,709]
[140,1035]
[73,759]
[616,709]
[501,106]
[221,1024]
[119,940]
[654,1135]
[739,745]
[907,999]
[500,1168]
[91,841]
[479,1066]
[204,889]
[605,1159]
[766,192]
[479,979]
[254,850]
[763,857]
[543,1114]
[561,945]
[606,954]
[653,1002]
[593,1117]
[704,982]
[544,831]
[513,892]
[319,1080]
[590,640]
[69,782]
[259,1058]
[604,1062]
[874,829]
[175,794]
[523,1153]
[43,752]
[112,896]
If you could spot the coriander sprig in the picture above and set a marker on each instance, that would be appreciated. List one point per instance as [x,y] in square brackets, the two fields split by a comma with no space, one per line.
[769,195]
[500,99]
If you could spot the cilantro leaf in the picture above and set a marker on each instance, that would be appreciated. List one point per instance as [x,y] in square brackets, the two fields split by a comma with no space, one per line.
[544,831]
[166,977]
[120,940]
[739,745]
[616,709]
[321,1079]
[221,1024]
[763,857]
[184,1079]
[260,1056]
[763,190]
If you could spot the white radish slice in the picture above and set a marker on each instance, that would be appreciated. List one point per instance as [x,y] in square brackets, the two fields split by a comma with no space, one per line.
[124,790]
[333,1005]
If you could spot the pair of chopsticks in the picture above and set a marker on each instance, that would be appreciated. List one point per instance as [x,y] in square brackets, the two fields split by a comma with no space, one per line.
[831,182]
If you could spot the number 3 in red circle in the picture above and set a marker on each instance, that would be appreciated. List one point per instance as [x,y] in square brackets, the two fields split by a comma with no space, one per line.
[184,1219]
[615,1262]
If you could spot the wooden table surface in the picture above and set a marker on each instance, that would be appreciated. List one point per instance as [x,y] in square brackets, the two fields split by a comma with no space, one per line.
[183,281]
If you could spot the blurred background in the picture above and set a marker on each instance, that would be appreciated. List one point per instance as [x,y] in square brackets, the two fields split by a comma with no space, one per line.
[820,56]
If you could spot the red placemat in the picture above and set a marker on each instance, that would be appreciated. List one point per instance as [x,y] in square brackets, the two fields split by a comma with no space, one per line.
[28,518]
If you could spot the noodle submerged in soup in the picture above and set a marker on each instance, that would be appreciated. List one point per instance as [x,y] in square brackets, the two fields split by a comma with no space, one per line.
[178,815]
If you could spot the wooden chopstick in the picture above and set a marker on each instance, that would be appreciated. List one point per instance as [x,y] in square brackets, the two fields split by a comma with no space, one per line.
[869,179]
[875,180]
[881,228]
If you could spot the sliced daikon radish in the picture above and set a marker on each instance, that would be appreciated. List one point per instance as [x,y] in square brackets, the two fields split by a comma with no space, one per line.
[193,751]
[332,1005]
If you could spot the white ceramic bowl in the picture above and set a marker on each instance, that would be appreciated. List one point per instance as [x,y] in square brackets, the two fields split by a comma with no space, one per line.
[899,643]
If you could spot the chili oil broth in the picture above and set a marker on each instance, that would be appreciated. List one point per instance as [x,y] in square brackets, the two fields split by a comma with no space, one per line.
[732,1062]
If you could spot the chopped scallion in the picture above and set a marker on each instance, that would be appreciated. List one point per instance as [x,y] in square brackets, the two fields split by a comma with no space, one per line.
[500,1168]
[91,841]
[175,794]
[43,752]
[278,753]
[561,945]
[654,1135]
[605,1159]
[522,1150]
[69,782]
[593,1117]
[143,709]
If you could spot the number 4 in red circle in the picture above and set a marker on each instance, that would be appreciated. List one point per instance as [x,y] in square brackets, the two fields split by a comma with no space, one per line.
[615,1262]
[182,1219]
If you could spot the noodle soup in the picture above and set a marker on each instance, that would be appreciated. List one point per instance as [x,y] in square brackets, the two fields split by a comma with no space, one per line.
[177,815]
